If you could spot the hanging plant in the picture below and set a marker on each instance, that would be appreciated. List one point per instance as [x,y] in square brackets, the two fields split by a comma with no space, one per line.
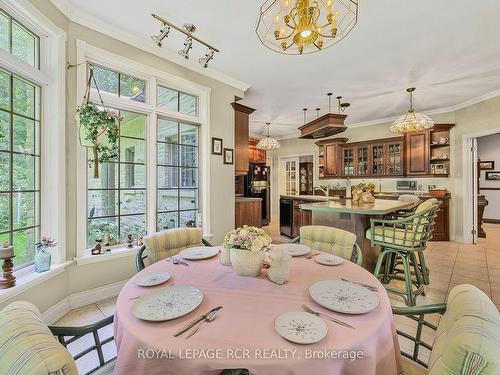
[98,128]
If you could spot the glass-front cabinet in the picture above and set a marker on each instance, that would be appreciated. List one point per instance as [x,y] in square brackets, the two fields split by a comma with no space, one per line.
[378,159]
[394,158]
[348,161]
[362,160]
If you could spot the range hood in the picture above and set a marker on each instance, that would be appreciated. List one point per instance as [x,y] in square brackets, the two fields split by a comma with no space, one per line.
[324,126]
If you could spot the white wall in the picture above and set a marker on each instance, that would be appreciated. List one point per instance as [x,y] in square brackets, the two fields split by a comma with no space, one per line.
[488,148]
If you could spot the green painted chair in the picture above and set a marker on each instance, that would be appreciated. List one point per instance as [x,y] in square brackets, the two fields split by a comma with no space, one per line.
[167,243]
[467,338]
[28,346]
[331,240]
[404,239]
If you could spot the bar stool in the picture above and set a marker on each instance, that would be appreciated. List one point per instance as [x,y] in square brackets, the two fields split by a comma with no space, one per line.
[404,239]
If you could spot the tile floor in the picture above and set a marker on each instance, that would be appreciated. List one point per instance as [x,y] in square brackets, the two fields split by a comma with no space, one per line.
[450,264]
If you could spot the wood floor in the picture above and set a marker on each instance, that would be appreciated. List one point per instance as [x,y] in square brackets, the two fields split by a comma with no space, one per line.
[450,264]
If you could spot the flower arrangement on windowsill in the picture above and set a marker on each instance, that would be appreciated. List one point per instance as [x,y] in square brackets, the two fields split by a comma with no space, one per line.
[42,256]
[245,248]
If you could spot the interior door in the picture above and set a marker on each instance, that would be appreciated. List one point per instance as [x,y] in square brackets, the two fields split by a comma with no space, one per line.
[475,188]
[289,171]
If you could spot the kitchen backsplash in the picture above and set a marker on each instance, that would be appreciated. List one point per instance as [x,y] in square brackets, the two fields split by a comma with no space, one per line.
[389,185]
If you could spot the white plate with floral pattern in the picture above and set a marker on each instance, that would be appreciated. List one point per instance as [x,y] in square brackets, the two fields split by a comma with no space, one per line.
[167,303]
[295,249]
[344,297]
[301,327]
[153,279]
[328,259]
[199,252]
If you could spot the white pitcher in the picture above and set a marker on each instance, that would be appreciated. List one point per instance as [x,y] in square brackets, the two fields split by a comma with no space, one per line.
[278,272]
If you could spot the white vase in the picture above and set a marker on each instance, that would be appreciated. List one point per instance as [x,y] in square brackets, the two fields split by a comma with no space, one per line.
[278,272]
[247,263]
[225,256]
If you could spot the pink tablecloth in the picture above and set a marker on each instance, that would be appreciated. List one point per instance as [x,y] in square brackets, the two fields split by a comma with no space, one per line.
[243,335]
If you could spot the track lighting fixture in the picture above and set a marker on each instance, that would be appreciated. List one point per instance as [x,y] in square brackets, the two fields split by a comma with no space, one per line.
[188,44]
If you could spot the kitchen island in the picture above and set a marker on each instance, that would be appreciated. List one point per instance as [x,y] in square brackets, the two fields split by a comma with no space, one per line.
[355,218]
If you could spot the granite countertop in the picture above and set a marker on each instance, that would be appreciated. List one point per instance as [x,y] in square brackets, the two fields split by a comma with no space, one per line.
[247,199]
[319,198]
[380,207]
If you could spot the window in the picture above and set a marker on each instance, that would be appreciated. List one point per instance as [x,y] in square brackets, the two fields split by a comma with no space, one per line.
[177,171]
[19,41]
[119,84]
[19,165]
[177,101]
[116,201]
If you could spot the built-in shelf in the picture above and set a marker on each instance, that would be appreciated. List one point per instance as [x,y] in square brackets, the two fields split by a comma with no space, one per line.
[437,145]
[440,160]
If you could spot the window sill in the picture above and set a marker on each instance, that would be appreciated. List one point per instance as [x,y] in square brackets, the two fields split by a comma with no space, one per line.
[116,253]
[30,280]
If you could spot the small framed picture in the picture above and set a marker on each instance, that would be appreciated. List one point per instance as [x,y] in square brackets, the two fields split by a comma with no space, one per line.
[216,146]
[487,165]
[228,156]
[493,176]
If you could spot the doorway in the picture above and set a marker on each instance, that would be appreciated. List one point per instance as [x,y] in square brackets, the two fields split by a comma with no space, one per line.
[481,181]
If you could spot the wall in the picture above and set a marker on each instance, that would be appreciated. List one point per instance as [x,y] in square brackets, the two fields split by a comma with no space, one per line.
[488,148]
[80,278]
[469,120]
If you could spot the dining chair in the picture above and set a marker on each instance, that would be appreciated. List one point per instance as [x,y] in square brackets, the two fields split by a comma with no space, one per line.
[28,346]
[405,239]
[467,338]
[167,243]
[331,240]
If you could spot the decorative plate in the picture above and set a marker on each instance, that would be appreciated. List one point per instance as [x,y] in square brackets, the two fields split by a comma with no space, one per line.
[328,259]
[343,297]
[295,249]
[153,279]
[167,303]
[301,327]
[199,252]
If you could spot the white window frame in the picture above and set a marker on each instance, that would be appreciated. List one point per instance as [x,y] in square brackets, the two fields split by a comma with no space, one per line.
[86,53]
[51,77]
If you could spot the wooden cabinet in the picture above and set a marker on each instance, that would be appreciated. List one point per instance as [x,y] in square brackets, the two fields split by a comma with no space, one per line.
[394,157]
[300,217]
[442,223]
[241,128]
[417,154]
[248,211]
[255,156]
[362,160]
[330,158]
[348,161]
[377,165]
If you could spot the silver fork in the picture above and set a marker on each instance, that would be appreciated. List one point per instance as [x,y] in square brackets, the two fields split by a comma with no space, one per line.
[179,260]
[369,287]
[338,321]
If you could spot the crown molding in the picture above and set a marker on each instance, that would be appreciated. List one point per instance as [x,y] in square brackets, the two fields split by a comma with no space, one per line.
[76,15]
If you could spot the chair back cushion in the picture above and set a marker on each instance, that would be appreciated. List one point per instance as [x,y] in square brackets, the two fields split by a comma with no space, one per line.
[28,347]
[468,336]
[166,243]
[330,240]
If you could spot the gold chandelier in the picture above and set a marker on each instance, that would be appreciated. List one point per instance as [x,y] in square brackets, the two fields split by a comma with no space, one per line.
[412,121]
[308,25]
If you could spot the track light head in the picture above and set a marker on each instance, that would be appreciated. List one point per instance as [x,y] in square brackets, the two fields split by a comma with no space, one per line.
[158,39]
[188,44]
[208,56]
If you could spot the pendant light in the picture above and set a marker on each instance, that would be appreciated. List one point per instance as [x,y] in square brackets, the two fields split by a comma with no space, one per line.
[412,121]
[268,143]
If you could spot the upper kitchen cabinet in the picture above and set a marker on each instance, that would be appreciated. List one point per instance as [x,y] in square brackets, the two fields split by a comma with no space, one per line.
[330,157]
[241,138]
[417,153]
[255,156]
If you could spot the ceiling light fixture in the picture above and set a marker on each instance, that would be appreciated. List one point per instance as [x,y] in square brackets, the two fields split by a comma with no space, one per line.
[268,143]
[412,121]
[188,29]
[310,25]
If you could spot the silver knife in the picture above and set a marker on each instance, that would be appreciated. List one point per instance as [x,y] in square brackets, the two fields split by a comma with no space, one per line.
[195,322]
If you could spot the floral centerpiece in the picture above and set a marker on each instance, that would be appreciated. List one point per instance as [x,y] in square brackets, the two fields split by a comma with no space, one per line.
[362,193]
[245,247]
[42,255]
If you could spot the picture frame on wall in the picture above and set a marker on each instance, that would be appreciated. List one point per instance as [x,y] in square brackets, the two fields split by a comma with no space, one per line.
[493,176]
[216,146]
[228,156]
[487,165]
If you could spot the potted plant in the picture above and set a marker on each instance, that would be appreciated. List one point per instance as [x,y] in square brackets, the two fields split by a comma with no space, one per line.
[98,128]
[247,245]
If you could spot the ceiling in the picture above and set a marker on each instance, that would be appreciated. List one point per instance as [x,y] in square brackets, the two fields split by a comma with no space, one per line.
[448,49]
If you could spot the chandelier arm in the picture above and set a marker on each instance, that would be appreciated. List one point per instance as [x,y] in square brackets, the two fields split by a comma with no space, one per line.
[315,45]
[285,37]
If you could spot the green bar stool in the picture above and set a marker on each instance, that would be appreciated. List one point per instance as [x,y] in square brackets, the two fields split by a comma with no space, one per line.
[404,240]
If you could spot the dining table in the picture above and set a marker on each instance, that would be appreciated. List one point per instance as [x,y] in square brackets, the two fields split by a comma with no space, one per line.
[243,335]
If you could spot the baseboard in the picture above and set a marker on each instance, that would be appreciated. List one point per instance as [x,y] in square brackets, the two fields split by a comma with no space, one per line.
[81,299]
[491,221]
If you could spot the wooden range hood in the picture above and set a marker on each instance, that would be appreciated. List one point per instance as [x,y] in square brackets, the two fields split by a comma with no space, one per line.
[324,126]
